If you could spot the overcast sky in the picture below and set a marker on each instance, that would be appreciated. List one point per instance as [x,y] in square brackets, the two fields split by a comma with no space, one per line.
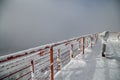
[29,23]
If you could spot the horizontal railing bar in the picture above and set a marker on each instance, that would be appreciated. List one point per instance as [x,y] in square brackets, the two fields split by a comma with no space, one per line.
[15,72]
[24,75]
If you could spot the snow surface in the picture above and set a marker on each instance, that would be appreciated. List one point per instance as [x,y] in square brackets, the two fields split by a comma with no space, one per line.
[92,66]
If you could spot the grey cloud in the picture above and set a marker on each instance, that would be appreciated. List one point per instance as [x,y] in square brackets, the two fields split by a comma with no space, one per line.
[30,23]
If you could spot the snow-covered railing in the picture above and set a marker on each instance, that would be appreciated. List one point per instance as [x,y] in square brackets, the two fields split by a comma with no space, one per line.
[41,63]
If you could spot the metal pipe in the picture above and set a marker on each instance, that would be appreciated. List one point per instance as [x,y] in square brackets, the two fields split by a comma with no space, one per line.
[83,46]
[51,64]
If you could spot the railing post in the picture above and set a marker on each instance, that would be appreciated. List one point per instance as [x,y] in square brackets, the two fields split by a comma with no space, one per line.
[71,51]
[51,64]
[87,44]
[96,36]
[90,41]
[58,60]
[83,46]
[32,69]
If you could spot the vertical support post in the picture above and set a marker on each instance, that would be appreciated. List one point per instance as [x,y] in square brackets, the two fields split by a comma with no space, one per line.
[86,42]
[83,46]
[51,64]
[71,51]
[96,37]
[32,69]
[58,60]
[90,41]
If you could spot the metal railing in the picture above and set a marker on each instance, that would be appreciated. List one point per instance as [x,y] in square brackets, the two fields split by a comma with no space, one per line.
[41,63]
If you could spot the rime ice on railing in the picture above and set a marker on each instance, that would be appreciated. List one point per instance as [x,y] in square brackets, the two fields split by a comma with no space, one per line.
[41,63]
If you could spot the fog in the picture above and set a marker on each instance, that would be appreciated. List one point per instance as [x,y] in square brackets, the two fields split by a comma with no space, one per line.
[29,23]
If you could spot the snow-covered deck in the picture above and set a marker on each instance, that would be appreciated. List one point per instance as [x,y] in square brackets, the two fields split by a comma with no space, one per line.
[92,66]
